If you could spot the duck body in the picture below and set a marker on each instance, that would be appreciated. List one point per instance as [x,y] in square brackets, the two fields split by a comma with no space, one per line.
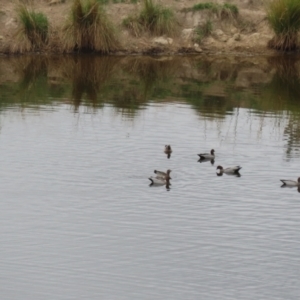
[210,155]
[229,170]
[168,149]
[163,174]
[157,180]
[290,182]
[161,178]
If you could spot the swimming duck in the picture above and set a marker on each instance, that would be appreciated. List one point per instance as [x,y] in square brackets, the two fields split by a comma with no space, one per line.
[168,150]
[158,180]
[230,170]
[210,155]
[164,175]
[291,182]
[162,178]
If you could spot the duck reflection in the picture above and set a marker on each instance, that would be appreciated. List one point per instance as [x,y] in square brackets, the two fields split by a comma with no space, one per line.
[202,160]
[232,174]
[290,187]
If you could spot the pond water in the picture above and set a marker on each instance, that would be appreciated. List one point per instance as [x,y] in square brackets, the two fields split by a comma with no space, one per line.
[79,138]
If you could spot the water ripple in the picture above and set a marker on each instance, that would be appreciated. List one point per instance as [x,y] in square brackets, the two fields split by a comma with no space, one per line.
[79,220]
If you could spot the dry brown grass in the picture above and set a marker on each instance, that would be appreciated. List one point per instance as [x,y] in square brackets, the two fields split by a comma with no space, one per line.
[89,29]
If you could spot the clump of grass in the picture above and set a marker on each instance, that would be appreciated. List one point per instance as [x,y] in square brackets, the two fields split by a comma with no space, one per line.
[117,1]
[89,28]
[202,31]
[229,11]
[284,18]
[132,23]
[202,6]
[34,26]
[153,18]
[103,1]
[226,10]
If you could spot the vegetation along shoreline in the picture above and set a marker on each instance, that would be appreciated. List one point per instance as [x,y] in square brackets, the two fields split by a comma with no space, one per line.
[128,27]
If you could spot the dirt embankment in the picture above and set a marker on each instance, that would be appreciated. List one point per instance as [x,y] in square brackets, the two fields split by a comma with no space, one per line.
[248,34]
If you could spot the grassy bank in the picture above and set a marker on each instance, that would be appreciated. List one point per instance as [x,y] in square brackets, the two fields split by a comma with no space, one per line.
[284,19]
[145,27]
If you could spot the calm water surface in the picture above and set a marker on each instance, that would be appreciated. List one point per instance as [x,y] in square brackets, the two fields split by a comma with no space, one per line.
[79,138]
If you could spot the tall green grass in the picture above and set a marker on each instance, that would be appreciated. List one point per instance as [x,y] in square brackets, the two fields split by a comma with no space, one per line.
[225,10]
[89,29]
[203,6]
[284,18]
[34,26]
[154,18]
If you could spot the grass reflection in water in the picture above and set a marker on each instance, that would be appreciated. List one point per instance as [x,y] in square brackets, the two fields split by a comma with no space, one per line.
[215,87]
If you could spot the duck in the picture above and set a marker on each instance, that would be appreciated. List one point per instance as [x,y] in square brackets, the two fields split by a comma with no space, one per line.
[168,150]
[158,180]
[210,155]
[230,170]
[161,178]
[163,174]
[290,182]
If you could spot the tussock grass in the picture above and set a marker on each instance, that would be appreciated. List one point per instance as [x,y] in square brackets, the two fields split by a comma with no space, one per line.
[134,25]
[89,29]
[34,27]
[117,1]
[229,11]
[103,1]
[202,31]
[154,18]
[284,18]
[203,6]
[223,11]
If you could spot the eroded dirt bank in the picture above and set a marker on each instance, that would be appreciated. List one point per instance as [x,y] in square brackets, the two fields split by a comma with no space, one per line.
[249,34]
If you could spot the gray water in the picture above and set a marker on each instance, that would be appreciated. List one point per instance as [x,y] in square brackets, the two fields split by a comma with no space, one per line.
[78,219]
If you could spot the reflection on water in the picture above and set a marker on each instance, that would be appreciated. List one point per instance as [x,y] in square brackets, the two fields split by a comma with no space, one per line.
[214,86]
[88,76]
[291,187]
[80,137]
[237,174]
[202,160]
